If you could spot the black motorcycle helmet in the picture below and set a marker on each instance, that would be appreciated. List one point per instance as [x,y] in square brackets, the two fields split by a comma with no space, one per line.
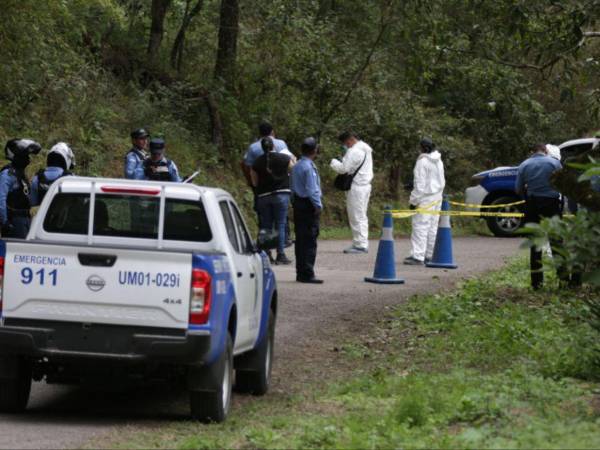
[18,151]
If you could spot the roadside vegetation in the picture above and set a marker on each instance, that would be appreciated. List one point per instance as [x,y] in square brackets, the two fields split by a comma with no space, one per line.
[491,365]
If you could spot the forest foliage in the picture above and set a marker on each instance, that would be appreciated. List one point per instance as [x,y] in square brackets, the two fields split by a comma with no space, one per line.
[485,79]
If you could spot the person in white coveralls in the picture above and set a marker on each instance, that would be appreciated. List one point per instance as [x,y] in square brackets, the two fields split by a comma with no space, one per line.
[357,162]
[428,189]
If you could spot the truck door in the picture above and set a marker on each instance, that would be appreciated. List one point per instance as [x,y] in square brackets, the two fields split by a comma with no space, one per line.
[244,276]
[254,262]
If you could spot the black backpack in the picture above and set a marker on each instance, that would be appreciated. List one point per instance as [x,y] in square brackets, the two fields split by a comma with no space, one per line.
[44,183]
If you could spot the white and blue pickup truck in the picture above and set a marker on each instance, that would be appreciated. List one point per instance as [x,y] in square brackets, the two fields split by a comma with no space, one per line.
[137,280]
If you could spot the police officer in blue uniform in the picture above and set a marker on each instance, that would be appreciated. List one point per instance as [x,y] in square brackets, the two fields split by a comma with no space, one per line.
[542,200]
[59,163]
[306,200]
[134,160]
[158,167]
[15,215]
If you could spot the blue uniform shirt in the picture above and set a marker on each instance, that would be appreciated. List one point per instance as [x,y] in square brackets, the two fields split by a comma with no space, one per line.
[8,183]
[51,173]
[255,150]
[305,181]
[174,172]
[533,176]
[134,164]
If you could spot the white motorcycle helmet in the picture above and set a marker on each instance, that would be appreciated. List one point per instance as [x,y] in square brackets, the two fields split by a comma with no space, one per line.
[61,152]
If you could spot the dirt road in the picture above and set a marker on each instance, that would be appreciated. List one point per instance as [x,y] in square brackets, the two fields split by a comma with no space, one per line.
[313,322]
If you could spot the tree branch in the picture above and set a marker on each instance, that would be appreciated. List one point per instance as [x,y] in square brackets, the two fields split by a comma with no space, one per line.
[177,50]
[357,76]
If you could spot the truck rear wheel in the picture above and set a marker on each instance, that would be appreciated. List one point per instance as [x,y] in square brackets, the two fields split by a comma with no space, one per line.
[15,383]
[254,375]
[210,387]
[505,226]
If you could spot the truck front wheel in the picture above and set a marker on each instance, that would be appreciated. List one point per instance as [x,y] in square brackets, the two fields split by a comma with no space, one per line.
[505,226]
[15,383]
[210,387]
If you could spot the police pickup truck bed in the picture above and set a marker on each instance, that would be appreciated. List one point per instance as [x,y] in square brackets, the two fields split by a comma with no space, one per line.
[136,280]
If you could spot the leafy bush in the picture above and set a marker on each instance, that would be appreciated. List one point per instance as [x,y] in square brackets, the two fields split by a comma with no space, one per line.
[578,250]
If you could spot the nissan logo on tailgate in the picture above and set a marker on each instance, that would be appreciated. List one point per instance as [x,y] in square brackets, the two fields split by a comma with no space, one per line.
[95,283]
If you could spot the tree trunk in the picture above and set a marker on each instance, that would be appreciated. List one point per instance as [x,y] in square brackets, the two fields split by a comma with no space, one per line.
[177,50]
[228,32]
[216,124]
[158,12]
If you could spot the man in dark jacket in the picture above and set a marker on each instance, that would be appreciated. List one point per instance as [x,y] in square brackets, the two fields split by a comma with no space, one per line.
[271,180]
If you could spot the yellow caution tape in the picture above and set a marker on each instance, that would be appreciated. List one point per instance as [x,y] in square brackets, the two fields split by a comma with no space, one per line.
[402,214]
[424,207]
[464,205]
[470,205]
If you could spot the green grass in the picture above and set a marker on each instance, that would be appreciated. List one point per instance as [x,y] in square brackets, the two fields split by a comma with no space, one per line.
[491,365]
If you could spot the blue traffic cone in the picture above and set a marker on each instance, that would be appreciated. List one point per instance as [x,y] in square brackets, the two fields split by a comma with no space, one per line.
[442,252]
[385,265]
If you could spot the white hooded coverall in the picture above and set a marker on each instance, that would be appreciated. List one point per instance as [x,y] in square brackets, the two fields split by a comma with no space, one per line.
[429,183]
[357,198]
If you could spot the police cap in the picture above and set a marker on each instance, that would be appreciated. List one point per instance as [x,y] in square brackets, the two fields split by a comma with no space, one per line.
[139,134]
[157,145]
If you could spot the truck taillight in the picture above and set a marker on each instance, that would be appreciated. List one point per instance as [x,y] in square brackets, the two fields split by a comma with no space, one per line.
[1,282]
[200,297]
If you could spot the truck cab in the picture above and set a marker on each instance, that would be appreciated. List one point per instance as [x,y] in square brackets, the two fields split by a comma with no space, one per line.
[497,187]
[140,279]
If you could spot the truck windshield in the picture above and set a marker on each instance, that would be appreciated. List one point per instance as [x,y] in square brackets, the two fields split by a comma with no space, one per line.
[128,216]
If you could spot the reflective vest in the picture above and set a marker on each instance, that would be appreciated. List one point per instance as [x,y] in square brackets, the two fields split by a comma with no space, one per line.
[157,171]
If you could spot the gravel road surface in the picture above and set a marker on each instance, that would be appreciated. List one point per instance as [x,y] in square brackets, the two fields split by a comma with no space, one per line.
[313,321]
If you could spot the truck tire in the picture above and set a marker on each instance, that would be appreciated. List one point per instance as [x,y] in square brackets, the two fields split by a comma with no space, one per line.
[505,226]
[15,383]
[211,387]
[255,375]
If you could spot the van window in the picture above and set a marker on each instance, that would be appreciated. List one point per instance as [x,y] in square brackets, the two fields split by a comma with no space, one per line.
[68,214]
[186,221]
